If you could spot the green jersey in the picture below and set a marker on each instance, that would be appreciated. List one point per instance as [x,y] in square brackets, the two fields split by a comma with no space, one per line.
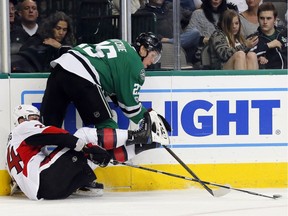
[115,66]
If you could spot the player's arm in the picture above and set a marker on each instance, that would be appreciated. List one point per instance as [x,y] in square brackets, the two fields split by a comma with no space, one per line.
[130,104]
[96,154]
[128,97]
[56,137]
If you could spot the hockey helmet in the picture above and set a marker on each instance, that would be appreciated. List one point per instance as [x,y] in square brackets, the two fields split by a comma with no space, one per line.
[150,42]
[24,111]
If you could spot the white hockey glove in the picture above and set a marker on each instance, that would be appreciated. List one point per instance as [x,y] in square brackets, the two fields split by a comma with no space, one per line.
[160,128]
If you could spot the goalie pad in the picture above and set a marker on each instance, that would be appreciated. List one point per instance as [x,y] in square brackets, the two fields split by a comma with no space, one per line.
[159,128]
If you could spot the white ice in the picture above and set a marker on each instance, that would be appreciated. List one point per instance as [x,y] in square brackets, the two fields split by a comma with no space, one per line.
[189,202]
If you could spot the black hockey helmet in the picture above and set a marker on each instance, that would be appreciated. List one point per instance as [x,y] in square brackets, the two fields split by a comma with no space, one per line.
[150,42]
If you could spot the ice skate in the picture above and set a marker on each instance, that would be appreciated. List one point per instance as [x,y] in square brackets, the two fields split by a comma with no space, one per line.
[93,189]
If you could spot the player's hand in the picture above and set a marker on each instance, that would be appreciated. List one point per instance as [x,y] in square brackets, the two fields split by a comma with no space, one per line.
[97,154]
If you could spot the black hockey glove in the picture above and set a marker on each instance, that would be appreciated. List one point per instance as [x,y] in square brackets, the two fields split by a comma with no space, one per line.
[97,154]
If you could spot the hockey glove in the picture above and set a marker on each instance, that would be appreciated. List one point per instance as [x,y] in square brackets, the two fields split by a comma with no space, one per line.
[97,154]
[166,124]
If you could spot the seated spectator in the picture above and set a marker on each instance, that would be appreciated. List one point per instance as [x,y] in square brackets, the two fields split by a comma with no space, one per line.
[272,46]
[28,14]
[249,18]
[205,20]
[16,32]
[164,13]
[54,37]
[227,45]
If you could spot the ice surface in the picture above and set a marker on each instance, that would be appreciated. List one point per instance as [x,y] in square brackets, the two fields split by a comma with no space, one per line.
[190,202]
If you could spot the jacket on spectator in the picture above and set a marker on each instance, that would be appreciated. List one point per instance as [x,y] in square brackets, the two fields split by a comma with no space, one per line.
[277,58]
[18,36]
[34,56]
[220,49]
[164,16]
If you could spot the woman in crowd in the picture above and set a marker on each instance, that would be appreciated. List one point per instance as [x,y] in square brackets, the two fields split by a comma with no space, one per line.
[249,18]
[227,45]
[54,37]
[205,20]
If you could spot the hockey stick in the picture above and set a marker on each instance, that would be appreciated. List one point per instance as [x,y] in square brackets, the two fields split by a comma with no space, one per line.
[160,135]
[162,130]
[217,193]
[188,170]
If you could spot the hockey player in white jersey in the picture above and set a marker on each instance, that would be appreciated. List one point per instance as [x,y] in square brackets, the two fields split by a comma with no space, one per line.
[56,174]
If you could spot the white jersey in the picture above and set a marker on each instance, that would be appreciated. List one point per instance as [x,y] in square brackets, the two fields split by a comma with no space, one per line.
[24,156]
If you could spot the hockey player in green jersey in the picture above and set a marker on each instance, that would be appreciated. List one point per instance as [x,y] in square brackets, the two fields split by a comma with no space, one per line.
[88,73]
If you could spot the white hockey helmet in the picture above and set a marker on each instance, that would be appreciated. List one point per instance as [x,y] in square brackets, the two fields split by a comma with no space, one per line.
[24,111]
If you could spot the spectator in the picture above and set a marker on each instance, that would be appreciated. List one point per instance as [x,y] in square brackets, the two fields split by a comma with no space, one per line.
[272,47]
[28,14]
[249,18]
[41,174]
[164,13]
[53,38]
[116,7]
[227,45]
[205,20]
[16,32]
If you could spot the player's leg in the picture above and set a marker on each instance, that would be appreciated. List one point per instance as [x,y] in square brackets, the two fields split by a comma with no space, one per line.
[109,138]
[67,174]
[121,144]
[55,100]
[125,153]
[90,102]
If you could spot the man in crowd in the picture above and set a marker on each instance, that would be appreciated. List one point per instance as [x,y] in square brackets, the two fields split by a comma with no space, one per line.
[272,46]
[28,14]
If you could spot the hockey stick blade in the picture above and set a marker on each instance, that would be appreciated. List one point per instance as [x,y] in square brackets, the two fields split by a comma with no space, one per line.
[222,191]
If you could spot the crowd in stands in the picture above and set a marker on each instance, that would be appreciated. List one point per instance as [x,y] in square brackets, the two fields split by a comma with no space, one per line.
[236,39]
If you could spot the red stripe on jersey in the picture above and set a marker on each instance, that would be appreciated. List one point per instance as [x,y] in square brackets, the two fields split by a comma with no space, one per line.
[26,152]
[108,138]
[50,156]
[54,130]
[120,154]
